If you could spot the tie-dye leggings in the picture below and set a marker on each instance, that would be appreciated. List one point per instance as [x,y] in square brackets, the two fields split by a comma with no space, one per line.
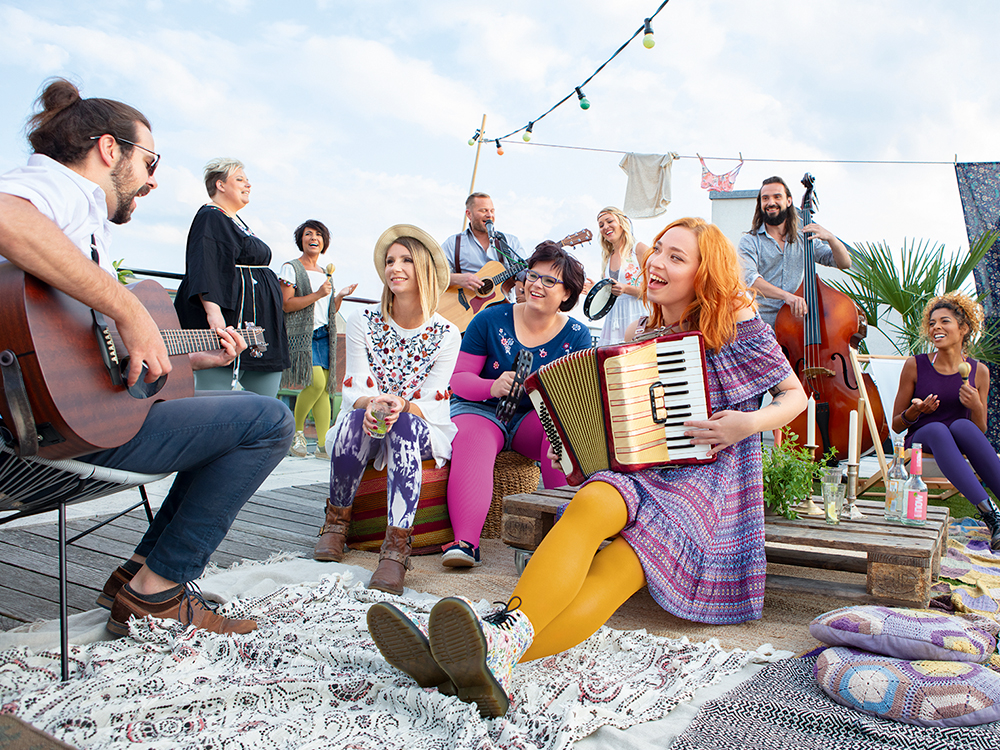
[407,444]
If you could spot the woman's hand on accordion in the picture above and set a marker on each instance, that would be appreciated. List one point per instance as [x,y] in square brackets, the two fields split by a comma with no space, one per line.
[722,429]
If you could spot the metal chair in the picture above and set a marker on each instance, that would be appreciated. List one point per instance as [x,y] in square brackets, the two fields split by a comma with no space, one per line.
[32,485]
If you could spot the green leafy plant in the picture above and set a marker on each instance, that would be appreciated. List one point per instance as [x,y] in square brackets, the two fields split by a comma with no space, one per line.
[125,276]
[878,284]
[789,474]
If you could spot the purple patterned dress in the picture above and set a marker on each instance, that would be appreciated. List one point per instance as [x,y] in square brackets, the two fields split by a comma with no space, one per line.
[699,530]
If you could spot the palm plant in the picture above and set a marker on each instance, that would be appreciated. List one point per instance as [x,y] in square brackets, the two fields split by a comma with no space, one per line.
[878,284]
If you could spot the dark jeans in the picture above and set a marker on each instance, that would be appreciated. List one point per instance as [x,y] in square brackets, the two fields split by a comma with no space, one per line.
[222,446]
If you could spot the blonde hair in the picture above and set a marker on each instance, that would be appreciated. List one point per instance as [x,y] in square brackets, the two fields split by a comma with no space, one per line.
[219,169]
[718,286]
[628,244]
[966,310]
[425,273]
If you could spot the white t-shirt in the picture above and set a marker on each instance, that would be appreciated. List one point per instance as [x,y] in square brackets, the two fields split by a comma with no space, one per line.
[321,309]
[76,205]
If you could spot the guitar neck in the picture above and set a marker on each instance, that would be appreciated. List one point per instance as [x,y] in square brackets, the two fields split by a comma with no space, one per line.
[190,340]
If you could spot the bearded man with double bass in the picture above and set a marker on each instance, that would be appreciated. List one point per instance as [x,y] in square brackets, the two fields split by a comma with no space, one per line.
[772,251]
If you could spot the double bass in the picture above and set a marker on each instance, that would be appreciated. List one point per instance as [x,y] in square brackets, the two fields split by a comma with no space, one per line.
[818,348]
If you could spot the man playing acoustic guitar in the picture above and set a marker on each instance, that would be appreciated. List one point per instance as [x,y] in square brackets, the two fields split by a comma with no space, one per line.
[92,159]
[474,248]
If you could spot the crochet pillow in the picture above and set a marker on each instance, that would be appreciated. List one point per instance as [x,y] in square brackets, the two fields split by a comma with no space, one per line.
[928,693]
[909,633]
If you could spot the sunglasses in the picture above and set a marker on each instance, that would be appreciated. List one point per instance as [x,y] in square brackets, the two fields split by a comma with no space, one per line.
[151,167]
[547,281]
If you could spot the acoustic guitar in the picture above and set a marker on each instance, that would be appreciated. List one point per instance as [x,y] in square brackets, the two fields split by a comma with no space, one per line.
[460,306]
[72,370]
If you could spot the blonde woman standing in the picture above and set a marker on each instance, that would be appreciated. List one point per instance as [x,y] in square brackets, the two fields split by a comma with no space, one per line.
[621,258]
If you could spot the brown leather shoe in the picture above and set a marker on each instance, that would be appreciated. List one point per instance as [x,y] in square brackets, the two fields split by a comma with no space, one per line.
[187,605]
[393,561]
[113,585]
[333,535]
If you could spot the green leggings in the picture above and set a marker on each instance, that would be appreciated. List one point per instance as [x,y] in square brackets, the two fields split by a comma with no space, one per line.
[314,397]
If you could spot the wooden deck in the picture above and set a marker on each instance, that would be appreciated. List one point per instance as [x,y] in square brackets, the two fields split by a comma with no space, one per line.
[284,520]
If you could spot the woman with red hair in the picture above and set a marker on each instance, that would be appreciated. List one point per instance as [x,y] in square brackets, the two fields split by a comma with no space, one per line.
[694,534]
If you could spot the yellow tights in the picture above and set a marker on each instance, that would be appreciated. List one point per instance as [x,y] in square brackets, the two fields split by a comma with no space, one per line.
[315,398]
[568,591]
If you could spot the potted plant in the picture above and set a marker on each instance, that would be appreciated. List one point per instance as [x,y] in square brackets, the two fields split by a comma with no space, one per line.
[789,474]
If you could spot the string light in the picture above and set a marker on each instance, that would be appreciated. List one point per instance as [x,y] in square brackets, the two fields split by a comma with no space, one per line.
[499,148]
[646,29]
[474,138]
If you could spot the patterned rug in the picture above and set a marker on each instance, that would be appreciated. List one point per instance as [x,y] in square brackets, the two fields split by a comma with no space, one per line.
[782,708]
[972,571]
[310,677]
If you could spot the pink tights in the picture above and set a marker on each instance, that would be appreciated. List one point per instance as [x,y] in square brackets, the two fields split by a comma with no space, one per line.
[473,453]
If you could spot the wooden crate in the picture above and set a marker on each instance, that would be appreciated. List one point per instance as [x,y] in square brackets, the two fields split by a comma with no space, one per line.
[900,562]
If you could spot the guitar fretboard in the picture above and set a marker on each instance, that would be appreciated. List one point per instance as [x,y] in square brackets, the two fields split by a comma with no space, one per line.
[195,340]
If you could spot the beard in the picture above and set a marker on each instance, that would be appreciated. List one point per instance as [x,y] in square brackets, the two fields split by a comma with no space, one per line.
[776,220]
[121,175]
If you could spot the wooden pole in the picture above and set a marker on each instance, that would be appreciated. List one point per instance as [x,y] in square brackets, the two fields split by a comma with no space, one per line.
[475,166]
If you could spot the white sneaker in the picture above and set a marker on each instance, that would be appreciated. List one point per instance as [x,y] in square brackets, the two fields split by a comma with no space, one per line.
[298,445]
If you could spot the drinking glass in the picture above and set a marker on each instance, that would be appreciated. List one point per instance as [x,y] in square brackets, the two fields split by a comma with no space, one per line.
[833,493]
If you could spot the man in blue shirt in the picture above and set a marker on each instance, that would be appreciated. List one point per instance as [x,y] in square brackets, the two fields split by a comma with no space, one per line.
[474,248]
[772,252]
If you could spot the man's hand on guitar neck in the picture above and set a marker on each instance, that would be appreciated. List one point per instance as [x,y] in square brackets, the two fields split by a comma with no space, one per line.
[232,345]
[33,243]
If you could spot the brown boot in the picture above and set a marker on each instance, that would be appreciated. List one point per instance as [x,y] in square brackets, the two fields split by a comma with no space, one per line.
[333,535]
[393,561]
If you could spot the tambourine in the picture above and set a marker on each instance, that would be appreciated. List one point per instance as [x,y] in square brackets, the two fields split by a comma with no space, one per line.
[508,404]
[599,300]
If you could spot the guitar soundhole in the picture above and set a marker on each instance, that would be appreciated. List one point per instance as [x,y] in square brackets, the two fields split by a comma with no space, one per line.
[486,288]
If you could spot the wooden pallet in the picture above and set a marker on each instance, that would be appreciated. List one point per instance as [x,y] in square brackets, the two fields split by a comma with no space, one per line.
[900,563]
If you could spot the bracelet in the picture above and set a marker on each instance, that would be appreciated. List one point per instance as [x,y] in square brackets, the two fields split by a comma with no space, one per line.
[906,421]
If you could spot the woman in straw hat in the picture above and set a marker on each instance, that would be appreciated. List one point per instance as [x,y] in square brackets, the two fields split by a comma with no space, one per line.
[394,409]
[693,534]
[942,405]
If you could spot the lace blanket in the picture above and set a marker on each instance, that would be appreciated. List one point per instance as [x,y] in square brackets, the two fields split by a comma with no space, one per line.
[310,677]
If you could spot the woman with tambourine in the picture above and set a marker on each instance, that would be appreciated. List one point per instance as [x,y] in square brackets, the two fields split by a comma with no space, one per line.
[616,297]
[483,381]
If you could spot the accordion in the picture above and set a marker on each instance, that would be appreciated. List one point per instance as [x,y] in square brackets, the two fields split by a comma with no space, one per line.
[623,407]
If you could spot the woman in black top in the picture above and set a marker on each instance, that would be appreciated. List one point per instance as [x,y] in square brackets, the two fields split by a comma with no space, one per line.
[227,282]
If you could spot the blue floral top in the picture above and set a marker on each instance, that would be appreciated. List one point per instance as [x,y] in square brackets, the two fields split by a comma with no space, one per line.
[491,334]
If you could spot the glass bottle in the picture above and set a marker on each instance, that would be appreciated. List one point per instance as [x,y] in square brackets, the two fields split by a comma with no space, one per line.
[915,509]
[895,483]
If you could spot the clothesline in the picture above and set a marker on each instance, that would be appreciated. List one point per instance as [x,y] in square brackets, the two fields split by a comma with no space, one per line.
[519,142]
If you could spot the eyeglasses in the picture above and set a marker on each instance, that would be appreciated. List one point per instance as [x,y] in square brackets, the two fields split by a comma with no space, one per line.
[547,281]
[151,167]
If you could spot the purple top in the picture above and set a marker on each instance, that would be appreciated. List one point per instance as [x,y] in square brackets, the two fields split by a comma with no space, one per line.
[945,387]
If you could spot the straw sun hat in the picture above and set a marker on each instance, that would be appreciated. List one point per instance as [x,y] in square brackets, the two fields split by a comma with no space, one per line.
[390,235]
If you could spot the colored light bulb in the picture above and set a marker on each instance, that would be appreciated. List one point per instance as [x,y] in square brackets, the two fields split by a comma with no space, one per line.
[648,42]
[527,132]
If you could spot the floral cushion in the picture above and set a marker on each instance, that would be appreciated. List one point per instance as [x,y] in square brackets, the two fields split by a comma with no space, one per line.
[928,693]
[909,633]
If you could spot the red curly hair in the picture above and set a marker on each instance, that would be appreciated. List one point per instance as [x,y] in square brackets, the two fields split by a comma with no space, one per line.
[718,286]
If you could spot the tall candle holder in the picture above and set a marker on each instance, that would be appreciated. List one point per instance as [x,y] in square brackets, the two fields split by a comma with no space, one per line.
[808,506]
[851,510]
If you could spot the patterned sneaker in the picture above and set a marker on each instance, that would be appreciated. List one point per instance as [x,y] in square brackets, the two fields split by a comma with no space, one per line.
[460,554]
[321,453]
[402,639]
[479,653]
[298,445]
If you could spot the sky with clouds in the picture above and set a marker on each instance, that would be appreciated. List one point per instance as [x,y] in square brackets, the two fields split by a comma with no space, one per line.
[358,113]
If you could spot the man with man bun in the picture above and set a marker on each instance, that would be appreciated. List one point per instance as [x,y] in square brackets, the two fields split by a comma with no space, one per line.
[93,159]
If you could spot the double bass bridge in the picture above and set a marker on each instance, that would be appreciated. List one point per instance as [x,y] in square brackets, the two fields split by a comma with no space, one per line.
[817,372]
